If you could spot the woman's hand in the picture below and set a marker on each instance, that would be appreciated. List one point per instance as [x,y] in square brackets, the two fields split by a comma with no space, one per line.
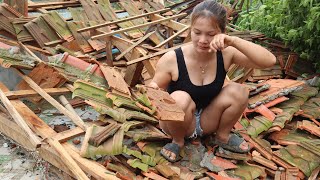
[221,41]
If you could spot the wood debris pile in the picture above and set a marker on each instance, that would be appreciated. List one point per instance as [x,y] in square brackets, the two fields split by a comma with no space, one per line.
[105,62]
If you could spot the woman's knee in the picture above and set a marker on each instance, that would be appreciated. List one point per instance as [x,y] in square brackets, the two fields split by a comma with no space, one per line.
[237,92]
[183,99]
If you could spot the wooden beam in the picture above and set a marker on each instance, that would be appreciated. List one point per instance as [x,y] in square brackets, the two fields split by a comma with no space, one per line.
[19,120]
[32,93]
[67,159]
[121,20]
[50,153]
[172,37]
[15,43]
[14,132]
[48,4]
[137,26]
[66,104]
[134,45]
[171,24]
[78,121]
[153,55]
[68,134]
[30,52]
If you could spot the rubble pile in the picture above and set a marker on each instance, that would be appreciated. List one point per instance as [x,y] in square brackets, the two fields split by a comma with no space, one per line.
[105,63]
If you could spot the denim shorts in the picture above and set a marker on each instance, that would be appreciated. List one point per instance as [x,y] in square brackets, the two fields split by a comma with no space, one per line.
[198,132]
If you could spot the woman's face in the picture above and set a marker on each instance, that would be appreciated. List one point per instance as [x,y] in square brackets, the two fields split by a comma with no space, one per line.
[202,32]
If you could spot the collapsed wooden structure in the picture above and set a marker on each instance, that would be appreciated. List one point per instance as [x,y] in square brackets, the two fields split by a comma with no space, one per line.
[76,54]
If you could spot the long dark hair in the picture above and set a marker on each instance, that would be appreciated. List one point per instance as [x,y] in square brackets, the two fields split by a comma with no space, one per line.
[213,10]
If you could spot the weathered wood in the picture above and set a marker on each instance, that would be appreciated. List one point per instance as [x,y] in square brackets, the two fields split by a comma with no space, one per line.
[137,26]
[171,24]
[134,45]
[121,20]
[47,153]
[19,120]
[67,159]
[78,121]
[14,132]
[15,43]
[32,93]
[93,168]
[123,44]
[29,52]
[68,134]
[66,104]
[154,54]
[20,5]
[133,72]
[172,37]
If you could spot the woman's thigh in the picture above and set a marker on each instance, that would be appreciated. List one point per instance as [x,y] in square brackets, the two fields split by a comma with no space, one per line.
[184,101]
[231,94]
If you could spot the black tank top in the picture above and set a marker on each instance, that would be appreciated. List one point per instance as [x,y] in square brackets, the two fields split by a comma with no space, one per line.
[201,95]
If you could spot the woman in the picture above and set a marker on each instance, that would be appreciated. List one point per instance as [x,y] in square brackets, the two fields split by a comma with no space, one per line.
[194,76]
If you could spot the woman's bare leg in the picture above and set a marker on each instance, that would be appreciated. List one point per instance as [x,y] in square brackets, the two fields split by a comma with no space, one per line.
[179,130]
[224,111]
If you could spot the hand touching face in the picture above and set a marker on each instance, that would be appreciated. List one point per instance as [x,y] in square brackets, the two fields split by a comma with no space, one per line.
[220,41]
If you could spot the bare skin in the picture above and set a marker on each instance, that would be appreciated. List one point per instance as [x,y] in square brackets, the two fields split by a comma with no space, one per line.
[225,109]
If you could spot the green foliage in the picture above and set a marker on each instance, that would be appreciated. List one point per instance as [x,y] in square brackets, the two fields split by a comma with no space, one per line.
[296,22]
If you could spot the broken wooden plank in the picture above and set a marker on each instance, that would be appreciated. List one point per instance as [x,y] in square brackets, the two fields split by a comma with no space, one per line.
[15,43]
[32,93]
[45,76]
[49,154]
[137,26]
[171,24]
[14,132]
[64,136]
[67,159]
[41,31]
[20,5]
[78,121]
[154,54]
[121,20]
[134,45]
[19,120]
[173,36]
[30,52]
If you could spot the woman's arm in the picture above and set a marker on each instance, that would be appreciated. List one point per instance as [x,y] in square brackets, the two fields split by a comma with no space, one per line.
[163,73]
[244,53]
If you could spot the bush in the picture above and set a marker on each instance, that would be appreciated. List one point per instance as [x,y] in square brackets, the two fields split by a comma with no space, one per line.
[296,22]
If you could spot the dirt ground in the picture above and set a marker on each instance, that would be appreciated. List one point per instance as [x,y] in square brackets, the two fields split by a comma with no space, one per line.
[18,164]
